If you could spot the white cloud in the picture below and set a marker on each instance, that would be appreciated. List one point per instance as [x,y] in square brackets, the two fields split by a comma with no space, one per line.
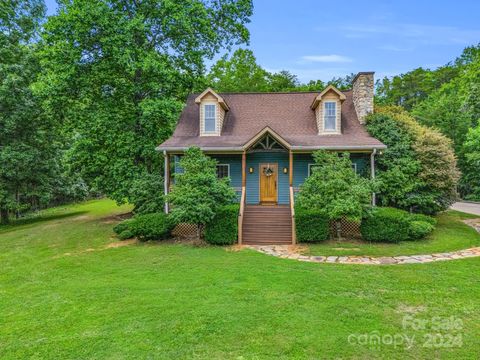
[395,48]
[418,33]
[325,59]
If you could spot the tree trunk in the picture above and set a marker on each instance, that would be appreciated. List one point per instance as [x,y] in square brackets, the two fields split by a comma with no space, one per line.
[4,216]
[338,226]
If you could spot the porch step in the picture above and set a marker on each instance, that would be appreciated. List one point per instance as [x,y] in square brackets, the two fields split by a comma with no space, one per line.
[266,225]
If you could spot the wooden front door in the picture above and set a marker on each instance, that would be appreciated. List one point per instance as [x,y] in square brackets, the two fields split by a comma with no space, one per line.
[268,183]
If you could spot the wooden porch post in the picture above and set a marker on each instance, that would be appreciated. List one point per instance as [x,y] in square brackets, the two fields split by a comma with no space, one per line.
[244,171]
[292,196]
[372,169]
[242,198]
[166,172]
[290,159]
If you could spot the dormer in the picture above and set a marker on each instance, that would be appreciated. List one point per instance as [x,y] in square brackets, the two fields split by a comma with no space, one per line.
[212,112]
[328,108]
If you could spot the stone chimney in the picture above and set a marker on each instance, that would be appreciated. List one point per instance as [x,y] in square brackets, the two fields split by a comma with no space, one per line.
[363,94]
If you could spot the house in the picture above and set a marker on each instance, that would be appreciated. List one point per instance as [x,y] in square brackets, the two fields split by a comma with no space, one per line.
[264,143]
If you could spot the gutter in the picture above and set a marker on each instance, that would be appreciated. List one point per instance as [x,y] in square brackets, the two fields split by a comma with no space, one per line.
[303,148]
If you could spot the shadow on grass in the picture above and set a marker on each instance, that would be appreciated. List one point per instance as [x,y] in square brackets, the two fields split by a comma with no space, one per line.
[17,223]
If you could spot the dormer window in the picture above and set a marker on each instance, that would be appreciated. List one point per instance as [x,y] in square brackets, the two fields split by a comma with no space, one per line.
[212,112]
[330,116]
[327,106]
[210,120]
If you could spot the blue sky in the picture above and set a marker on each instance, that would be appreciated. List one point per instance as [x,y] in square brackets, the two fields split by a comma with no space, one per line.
[318,39]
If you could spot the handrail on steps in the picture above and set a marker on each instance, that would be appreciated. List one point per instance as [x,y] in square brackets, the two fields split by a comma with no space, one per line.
[240,216]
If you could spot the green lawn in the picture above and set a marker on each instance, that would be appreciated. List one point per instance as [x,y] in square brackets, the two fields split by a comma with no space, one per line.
[450,234]
[64,295]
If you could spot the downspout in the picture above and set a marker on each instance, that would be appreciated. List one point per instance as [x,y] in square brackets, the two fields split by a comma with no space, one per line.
[165,179]
[372,169]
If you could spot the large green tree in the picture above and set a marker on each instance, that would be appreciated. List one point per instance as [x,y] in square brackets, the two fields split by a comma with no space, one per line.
[27,143]
[116,73]
[418,169]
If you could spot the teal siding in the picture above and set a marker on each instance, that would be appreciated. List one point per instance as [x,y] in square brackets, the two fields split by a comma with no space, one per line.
[235,162]
[300,171]
[253,187]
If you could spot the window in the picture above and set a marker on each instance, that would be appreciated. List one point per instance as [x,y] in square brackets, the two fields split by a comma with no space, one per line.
[354,167]
[311,168]
[210,118]
[223,171]
[330,116]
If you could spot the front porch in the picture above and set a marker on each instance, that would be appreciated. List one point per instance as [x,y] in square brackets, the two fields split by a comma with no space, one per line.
[266,176]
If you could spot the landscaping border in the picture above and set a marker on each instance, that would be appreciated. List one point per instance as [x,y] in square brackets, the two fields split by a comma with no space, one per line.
[291,252]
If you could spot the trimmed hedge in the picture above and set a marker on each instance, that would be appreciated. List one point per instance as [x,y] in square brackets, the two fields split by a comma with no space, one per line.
[156,226]
[420,229]
[424,218]
[223,229]
[385,225]
[395,225]
[311,226]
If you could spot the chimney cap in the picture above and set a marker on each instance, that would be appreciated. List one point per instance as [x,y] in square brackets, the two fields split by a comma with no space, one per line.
[362,73]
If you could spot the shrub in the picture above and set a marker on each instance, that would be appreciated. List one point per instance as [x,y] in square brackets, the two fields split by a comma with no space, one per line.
[122,226]
[155,226]
[145,227]
[334,190]
[126,234]
[198,192]
[419,229]
[424,218]
[386,225]
[223,228]
[311,225]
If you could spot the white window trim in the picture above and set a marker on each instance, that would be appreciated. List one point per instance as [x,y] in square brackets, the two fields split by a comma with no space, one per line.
[204,118]
[228,168]
[324,113]
[354,167]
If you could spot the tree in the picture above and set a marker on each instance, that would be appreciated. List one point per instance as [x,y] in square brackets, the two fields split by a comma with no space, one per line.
[471,154]
[240,73]
[198,193]
[116,74]
[334,189]
[454,109]
[417,171]
[27,143]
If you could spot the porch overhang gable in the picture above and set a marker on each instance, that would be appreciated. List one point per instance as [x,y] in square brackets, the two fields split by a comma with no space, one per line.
[271,132]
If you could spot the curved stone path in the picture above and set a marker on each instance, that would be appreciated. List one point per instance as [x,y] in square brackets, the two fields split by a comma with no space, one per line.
[294,252]
[291,252]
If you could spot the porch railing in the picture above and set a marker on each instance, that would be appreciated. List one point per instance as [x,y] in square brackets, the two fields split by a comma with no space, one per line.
[240,216]
[292,211]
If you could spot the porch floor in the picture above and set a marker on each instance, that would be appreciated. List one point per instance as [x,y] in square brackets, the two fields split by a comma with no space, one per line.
[267,225]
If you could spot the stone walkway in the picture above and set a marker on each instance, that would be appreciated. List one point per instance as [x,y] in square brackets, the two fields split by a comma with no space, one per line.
[295,252]
[292,252]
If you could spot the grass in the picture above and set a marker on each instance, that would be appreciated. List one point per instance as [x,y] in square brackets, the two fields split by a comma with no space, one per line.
[450,234]
[64,295]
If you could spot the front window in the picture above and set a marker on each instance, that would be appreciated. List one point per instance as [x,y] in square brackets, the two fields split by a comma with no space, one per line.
[330,116]
[210,118]
[223,171]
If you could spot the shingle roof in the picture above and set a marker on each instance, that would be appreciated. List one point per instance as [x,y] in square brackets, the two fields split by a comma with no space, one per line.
[288,114]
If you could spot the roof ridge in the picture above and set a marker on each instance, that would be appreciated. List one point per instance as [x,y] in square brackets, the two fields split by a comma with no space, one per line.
[271,92]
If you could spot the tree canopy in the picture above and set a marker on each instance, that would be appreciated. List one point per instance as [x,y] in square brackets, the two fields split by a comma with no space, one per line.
[116,73]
